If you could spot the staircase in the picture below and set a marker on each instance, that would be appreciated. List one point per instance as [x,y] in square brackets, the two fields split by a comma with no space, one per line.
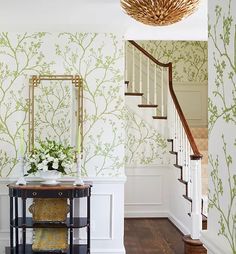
[150,80]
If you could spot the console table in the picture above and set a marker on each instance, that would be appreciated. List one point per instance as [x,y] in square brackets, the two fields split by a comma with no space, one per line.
[35,190]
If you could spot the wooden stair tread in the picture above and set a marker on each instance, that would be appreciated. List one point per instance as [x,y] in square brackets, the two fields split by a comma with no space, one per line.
[133,94]
[188,198]
[160,117]
[147,106]
[178,166]
[182,181]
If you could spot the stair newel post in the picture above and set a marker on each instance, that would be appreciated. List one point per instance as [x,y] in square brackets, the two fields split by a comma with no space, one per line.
[196,197]
[148,80]
[140,71]
[133,69]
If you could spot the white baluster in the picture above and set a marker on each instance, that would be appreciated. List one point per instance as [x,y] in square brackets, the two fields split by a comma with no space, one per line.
[180,144]
[162,92]
[148,81]
[185,152]
[140,71]
[196,199]
[155,84]
[126,61]
[133,73]
[189,172]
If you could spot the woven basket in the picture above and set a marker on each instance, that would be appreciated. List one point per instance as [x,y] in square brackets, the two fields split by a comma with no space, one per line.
[49,209]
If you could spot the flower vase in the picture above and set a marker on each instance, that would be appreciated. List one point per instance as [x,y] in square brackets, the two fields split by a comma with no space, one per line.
[50,177]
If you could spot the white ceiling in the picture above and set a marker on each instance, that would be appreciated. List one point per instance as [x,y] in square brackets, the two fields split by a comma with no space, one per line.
[94,16]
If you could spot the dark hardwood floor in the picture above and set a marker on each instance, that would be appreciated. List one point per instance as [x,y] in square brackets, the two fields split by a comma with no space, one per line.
[152,236]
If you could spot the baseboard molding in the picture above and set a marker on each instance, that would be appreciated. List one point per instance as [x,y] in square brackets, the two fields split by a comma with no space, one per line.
[178,224]
[146,214]
[110,251]
[212,245]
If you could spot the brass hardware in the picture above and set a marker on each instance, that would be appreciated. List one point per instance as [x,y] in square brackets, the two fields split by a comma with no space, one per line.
[34,194]
[34,82]
[60,193]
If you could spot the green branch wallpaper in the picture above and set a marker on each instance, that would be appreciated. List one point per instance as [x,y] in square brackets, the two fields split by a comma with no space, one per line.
[189,58]
[144,144]
[98,58]
[222,124]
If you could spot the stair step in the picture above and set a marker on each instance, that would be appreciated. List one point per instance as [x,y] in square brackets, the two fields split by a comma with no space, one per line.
[188,198]
[160,117]
[199,132]
[182,181]
[133,94]
[202,143]
[205,156]
[147,106]
[178,166]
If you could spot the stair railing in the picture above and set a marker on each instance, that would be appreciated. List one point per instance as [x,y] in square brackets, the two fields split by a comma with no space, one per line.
[145,74]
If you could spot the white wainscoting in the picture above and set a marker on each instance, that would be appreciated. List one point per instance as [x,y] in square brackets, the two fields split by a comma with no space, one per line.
[146,191]
[193,100]
[107,216]
[214,247]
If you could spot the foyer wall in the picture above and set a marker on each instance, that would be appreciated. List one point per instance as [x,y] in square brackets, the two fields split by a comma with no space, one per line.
[189,58]
[98,58]
[144,145]
[221,235]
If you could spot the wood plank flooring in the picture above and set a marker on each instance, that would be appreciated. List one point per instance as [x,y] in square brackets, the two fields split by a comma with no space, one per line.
[152,236]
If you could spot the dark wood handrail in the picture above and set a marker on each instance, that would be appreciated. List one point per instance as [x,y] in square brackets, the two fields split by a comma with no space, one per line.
[196,154]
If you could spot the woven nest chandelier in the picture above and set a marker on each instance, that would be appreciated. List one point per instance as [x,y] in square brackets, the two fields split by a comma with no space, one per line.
[159,12]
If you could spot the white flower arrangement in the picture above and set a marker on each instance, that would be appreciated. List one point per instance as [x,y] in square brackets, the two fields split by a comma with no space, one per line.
[50,156]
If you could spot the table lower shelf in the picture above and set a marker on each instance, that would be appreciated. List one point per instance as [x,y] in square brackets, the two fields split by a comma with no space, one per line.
[29,223]
[77,249]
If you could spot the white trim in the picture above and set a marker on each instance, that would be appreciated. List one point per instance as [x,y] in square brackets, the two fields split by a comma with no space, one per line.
[146,214]
[190,83]
[212,245]
[97,180]
[111,233]
[109,251]
[179,224]
[145,204]
[156,166]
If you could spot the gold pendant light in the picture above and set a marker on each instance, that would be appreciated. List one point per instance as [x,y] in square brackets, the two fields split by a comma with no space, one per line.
[159,12]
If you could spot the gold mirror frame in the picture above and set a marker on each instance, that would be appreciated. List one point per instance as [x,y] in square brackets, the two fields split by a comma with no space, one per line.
[34,82]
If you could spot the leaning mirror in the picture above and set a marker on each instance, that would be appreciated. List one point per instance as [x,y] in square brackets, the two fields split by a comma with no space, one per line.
[55,109]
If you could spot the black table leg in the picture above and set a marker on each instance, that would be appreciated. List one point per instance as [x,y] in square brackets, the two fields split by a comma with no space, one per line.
[11,223]
[24,224]
[71,224]
[88,223]
[16,225]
